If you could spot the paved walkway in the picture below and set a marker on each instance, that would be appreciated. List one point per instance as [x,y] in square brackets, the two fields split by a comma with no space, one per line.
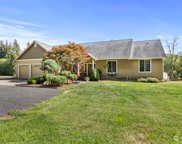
[12,97]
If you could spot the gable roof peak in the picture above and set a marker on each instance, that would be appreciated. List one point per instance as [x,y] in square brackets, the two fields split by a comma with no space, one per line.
[47,47]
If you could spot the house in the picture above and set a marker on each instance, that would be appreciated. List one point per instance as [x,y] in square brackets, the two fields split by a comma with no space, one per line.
[115,59]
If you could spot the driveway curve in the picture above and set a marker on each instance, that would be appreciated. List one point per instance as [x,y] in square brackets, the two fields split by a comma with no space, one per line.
[18,98]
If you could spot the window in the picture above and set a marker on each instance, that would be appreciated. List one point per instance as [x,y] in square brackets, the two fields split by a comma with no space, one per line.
[145,66]
[111,67]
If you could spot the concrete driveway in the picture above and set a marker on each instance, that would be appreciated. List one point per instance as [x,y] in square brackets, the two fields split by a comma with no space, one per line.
[17,98]
[11,81]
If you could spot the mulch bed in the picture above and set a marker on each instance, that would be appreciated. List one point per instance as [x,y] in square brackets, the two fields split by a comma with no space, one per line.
[6,117]
[46,86]
[39,86]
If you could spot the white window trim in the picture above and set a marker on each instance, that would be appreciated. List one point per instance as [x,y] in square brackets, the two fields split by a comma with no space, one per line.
[145,71]
[116,66]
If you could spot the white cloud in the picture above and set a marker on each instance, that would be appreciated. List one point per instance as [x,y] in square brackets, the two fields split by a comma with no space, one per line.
[24,35]
[18,22]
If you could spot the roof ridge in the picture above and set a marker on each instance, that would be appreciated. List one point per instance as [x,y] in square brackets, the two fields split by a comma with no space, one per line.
[108,41]
[147,40]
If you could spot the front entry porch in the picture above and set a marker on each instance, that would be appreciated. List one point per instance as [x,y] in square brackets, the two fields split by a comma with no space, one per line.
[89,67]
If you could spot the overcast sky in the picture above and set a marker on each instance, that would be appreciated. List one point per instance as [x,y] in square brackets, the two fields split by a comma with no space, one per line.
[60,21]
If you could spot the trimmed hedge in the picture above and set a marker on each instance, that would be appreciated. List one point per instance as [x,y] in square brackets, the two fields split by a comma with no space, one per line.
[55,80]
[52,79]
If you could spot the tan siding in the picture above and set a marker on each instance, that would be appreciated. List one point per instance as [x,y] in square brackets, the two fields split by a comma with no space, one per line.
[100,65]
[28,62]
[24,71]
[129,68]
[36,71]
[33,53]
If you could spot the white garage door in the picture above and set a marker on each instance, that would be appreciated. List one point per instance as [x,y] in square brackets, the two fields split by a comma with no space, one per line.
[36,71]
[23,71]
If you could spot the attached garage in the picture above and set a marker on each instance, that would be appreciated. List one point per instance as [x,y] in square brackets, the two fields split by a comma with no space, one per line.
[29,71]
[29,62]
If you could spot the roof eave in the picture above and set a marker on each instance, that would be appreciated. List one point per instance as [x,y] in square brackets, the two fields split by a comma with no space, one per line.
[92,56]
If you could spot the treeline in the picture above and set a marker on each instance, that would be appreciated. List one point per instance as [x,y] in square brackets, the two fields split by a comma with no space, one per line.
[173,60]
[9,51]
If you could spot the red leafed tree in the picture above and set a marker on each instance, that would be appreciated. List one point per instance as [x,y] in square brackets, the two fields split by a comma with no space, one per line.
[67,55]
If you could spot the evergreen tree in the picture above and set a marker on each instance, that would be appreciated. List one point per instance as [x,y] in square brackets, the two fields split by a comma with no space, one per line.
[16,47]
[2,49]
[9,51]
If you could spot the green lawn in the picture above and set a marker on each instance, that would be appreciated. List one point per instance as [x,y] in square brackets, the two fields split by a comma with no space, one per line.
[101,112]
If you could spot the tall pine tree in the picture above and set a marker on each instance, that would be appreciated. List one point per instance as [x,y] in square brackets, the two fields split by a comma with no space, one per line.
[9,51]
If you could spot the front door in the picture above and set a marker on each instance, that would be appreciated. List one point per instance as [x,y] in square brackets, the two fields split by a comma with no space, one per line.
[88,69]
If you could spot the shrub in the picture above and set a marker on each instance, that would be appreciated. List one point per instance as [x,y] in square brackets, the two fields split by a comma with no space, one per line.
[100,73]
[63,79]
[106,66]
[5,67]
[142,80]
[65,73]
[55,80]
[82,76]
[50,66]
[152,80]
[148,80]
[31,81]
[69,75]
[36,80]
[40,79]
[95,75]
[72,77]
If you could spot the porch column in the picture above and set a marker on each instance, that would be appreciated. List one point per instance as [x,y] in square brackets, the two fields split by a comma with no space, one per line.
[93,64]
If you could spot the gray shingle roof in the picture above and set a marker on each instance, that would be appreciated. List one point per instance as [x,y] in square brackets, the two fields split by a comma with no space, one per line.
[147,49]
[114,49]
[125,49]
[119,49]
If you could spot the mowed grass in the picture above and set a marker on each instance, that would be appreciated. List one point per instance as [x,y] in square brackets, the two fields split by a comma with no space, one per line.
[101,112]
